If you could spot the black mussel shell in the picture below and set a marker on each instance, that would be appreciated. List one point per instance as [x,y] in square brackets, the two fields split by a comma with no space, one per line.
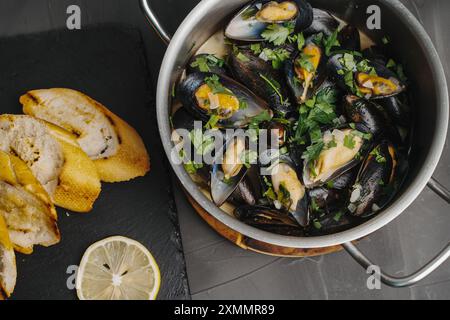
[398,109]
[349,38]
[183,119]
[326,200]
[292,79]
[248,191]
[207,63]
[323,22]
[345,181]
[247,25]
[370,118]
[269,220]
[376,54]
[262,79]
[376,180]
[240,118]
[385,79]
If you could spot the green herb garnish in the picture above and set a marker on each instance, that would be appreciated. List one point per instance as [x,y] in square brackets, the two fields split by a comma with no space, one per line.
[278,34]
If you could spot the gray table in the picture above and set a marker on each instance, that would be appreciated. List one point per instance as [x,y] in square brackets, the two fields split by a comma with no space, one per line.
[219,270]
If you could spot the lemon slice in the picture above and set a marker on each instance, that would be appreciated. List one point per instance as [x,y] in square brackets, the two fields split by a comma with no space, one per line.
[118,268]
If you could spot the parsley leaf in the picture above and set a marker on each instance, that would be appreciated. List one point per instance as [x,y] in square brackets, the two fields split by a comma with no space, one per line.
[214,83]
[256,48]
[349,141]
[313,152]
[378,156]
[276,56]
[331,41]
[278,34]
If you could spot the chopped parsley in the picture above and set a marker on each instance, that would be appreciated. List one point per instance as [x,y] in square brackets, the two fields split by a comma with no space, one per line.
[212,122]
[256,48]
[275,87]
[378,156]
[304,61]
[349,141]
[313,152]
[205,62]
[242,57]
[214,83]
[202,143]
[330,42]
[277,33]
[276,56]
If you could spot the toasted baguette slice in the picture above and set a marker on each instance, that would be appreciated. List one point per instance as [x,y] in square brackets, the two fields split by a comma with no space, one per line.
[8,271]
[116,148]
[26,207]
[55,159]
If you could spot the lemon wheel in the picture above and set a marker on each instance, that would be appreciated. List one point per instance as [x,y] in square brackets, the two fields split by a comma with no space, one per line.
[118,268]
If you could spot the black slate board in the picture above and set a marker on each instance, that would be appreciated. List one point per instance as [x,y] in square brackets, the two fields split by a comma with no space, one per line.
[107,63]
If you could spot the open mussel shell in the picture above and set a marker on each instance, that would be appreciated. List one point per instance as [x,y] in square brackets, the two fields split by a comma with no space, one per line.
[323,22]
[228,170]
[253,19]
[262,79]
[381,84]
[288,189]
[269,220]
[302,82]
[207,63]
[376,180]
[369,117]
[343,150]
[349,38]
[195,95]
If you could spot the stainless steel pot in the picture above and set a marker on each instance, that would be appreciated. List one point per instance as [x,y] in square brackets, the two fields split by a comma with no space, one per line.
[429,88]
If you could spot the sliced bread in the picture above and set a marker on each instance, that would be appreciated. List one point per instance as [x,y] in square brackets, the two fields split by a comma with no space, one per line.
[26,207]
[8,271]
[116,148]
[55,159]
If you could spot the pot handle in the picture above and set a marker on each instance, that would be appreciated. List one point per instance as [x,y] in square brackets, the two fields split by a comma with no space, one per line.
[154,22]
[399,282]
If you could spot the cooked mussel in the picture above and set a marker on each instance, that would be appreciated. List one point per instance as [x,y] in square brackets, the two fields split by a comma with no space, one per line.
[359,76]
[349,38]
[369,117]
[306,70]
[342,151]
[375,184]
[208,94]
[207,63]
[398,109]
[228,170]
[286,191]
[253,19]
[248,191]
[262,79]
[270,220]
[323,22]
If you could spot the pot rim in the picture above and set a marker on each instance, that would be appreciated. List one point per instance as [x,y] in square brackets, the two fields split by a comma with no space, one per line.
[358,232]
